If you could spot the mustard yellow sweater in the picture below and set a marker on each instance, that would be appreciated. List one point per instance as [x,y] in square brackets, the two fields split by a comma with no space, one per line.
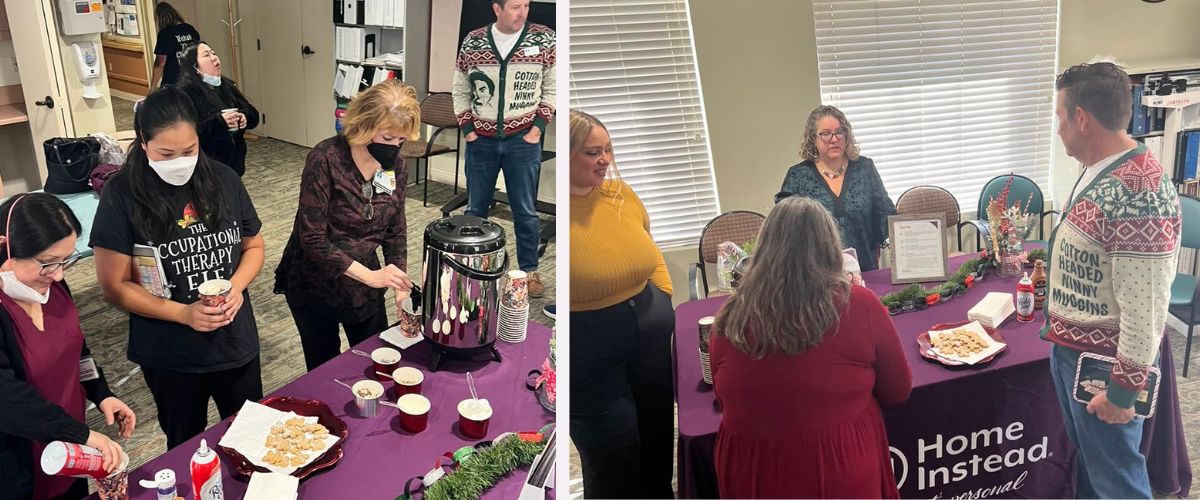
[612,252]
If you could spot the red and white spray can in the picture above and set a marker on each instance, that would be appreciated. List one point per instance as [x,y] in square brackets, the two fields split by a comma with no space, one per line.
[1025,299]
[206,474]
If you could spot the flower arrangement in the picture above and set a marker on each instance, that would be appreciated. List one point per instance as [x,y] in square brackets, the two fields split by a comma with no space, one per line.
[1010,224]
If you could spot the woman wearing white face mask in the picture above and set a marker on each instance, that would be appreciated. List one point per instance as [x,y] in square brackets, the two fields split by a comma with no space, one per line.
[224,114]
[170,200]
[46,369]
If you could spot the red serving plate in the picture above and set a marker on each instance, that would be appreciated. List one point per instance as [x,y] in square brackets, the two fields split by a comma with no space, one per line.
[926,346]
[303,407]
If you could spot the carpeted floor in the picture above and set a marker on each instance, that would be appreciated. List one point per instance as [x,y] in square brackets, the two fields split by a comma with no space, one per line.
[273,181]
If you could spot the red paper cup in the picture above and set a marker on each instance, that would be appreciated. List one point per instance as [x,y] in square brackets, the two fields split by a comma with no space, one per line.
[213,293]
[71,459]
[386,361]
[414,412]
[408,380]
[474,426]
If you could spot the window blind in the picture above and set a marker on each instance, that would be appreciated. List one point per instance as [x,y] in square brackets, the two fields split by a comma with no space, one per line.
[633,66]
[943,92]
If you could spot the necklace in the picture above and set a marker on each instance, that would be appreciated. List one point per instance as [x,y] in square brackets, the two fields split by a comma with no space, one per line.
[833,174]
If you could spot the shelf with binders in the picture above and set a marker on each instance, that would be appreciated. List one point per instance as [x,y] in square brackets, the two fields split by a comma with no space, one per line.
[366,64]
[389,14]
[356,25]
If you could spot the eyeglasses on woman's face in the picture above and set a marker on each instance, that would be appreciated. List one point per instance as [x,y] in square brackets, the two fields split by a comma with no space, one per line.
[828,135]
[48,268]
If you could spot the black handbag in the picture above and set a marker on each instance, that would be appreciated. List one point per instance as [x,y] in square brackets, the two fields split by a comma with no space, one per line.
[69,164]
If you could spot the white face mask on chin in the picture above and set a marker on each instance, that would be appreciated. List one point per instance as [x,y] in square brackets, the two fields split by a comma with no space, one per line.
[176,171]
[14,288]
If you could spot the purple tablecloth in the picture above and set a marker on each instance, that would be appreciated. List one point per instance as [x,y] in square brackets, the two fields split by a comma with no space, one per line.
[956,419]
[379,456]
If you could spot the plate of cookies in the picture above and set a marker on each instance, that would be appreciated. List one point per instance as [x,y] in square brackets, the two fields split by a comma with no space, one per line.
[966,343]
[284,435]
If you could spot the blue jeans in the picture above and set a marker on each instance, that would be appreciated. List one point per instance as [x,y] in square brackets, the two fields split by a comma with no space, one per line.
[1110,464]
[522,164]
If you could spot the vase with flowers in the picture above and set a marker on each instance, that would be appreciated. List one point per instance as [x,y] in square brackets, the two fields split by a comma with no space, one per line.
[1010,226]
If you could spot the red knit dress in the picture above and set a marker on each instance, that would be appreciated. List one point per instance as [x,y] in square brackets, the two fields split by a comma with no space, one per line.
[809,425]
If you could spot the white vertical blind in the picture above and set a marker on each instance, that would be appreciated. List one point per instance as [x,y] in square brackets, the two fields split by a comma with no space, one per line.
[943,92]
[633,66]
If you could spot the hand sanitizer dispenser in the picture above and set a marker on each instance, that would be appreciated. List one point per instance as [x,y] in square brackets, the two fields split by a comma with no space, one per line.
[82,17]
[87,61]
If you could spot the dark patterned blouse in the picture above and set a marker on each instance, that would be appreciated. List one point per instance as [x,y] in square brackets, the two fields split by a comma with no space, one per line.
[861,211]
[341,219]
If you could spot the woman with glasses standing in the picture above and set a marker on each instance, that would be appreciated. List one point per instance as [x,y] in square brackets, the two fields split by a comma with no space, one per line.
[46,369]
[847,184]
[184,220]
[330,271]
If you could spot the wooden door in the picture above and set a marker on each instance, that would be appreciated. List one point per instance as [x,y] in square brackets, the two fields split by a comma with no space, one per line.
[282,69]
[41,79]
[319,68]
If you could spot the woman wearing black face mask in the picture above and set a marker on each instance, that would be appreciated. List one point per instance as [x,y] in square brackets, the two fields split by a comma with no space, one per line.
[195,214]
[329,270]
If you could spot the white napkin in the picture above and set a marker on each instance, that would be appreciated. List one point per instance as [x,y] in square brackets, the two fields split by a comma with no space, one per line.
[248,435]
[393,336]
[272,486]
[974,326]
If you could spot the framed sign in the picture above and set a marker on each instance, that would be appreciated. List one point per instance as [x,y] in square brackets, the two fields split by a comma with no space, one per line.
[918,246]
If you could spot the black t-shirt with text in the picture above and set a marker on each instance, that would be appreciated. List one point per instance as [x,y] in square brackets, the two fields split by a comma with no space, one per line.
[170,44]
[193,254]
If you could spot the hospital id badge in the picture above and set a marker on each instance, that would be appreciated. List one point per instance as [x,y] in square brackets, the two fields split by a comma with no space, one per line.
[385,180]
[87,369]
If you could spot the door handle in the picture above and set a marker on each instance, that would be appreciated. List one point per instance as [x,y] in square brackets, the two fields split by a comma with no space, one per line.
[48,102]
[308,51]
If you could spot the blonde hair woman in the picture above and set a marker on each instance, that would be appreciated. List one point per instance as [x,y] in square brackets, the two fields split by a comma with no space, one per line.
[797,327]
[329,271]
[622,407]
[844,182]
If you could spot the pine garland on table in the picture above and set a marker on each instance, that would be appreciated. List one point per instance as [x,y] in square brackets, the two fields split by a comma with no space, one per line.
[958,282]
[485,468]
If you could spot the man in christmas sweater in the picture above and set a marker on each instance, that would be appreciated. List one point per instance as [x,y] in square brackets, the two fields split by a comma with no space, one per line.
[504,91]
[1112,259]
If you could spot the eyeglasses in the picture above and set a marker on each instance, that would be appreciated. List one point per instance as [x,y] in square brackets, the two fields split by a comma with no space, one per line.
[827,135]
[368,191]
[49,268]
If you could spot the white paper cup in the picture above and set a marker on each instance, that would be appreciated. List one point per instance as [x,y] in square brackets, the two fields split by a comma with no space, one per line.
[226,112]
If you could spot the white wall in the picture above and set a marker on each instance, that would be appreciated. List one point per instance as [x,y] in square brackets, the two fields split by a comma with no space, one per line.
[1089,28]
[758,72]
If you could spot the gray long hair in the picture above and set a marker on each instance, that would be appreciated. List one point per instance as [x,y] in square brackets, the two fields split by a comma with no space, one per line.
[789,299]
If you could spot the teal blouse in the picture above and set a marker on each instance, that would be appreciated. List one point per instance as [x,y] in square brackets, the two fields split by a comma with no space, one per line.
[861,211]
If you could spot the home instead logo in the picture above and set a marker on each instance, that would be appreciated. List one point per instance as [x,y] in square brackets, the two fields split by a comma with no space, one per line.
[941,462]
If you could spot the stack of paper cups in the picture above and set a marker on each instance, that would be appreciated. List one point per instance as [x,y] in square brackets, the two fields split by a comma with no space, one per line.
[705,330]
[513,321]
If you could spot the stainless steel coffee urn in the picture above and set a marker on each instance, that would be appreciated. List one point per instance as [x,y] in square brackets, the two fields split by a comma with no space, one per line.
[461,275]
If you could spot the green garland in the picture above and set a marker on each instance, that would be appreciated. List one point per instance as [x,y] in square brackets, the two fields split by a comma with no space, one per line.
[1037,254]
[958,281]
[485,468]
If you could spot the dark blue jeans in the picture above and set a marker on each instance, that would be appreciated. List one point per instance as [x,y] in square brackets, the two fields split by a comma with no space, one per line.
[1110,462]
[521,163]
